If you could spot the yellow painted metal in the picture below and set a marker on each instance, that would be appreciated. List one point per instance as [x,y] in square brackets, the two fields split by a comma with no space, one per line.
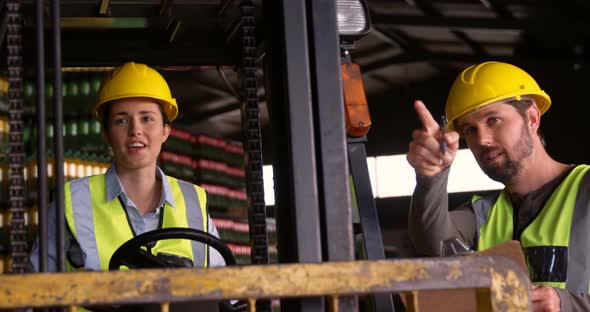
[333,303]
[104,6]
[3,264]
[412,301]
[251,304]
[104,22]
[504,292]
[508,284]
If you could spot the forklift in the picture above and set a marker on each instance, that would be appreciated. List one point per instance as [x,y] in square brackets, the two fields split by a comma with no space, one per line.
[330,250]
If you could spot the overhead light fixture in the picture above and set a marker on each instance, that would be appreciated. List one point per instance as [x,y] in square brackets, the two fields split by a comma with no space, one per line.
[353,19]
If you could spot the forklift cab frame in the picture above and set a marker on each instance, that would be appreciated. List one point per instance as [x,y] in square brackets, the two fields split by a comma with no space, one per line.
[302,59]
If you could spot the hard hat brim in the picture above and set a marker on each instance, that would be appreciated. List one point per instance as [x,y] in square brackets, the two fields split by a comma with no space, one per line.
[170,107]
[542,100]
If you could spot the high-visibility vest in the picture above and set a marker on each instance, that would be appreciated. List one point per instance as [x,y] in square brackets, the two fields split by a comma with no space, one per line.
[560,231]
[101,226]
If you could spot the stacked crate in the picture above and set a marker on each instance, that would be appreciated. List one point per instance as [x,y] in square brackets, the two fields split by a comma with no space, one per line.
[236,234]
[84,151]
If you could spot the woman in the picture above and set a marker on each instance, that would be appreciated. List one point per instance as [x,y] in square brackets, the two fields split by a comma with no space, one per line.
[135,108]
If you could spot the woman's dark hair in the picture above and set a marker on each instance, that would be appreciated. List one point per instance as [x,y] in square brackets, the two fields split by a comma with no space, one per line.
[106,112]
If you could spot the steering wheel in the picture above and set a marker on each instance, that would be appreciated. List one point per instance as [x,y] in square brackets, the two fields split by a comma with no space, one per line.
[132,255]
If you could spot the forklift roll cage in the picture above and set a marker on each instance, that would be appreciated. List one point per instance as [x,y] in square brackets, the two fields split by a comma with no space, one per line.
[302,60]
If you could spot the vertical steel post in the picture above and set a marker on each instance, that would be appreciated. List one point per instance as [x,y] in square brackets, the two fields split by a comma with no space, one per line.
[369,220]
[296,164]
[42,187]
[330,131]
[330,136]
[289,98]
[58,136]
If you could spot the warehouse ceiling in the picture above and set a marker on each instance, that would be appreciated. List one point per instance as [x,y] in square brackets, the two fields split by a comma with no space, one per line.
[414,50]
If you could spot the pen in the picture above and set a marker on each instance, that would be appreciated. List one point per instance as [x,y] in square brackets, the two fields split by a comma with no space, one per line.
[443,127]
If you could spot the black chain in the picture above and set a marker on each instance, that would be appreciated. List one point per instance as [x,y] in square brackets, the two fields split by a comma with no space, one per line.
[253,142]
[18,243]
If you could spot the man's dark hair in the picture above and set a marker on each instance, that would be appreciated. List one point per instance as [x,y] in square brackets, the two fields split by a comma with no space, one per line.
[521,107]
[106,112]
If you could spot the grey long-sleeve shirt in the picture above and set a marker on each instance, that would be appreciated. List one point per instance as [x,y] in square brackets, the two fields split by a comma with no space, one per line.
[431,222]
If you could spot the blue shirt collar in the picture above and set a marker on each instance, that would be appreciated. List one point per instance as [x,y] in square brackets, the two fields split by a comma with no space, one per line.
[114,188]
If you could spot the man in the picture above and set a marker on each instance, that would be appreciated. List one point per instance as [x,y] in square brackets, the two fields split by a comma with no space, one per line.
[496,108]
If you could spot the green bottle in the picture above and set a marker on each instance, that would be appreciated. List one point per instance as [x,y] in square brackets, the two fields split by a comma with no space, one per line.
[72,133]
[49,90]
[95,86]
[86,99]
[83,132]
[95,138]
[27,136]
[29,97]
[65,89]
[73,95]
[49,133]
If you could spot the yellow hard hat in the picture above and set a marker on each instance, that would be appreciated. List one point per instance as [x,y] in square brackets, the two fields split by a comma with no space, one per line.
[489,82]
[136,80]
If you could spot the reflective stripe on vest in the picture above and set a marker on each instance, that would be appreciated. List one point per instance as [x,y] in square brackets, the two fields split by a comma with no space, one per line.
[100,227]
[563,222]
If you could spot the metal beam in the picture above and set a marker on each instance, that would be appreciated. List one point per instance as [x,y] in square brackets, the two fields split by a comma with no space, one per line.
[166,7]
[173,29]
[398,37]
[174,26]
[92,53]
[182,9]
[297,194]
[498,8]
[41,112]
[475,46]
[287,73]
[228,104]
[507,284]
[558,26]
[367,212]
[356,55]
[58,140]
[332,160]
[410,47]
[331,138]
[376,31]
[429,9]
[104,8]
[538,60]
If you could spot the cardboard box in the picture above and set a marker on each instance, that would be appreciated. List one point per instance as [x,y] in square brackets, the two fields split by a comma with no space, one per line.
[465,300]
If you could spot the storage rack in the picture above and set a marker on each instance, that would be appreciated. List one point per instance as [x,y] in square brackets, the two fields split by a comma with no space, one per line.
[214,163]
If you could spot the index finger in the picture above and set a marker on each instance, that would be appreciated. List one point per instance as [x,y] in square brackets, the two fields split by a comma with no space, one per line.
[428,122]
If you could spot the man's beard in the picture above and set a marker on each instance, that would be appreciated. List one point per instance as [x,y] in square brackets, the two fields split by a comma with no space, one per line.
[510,168]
